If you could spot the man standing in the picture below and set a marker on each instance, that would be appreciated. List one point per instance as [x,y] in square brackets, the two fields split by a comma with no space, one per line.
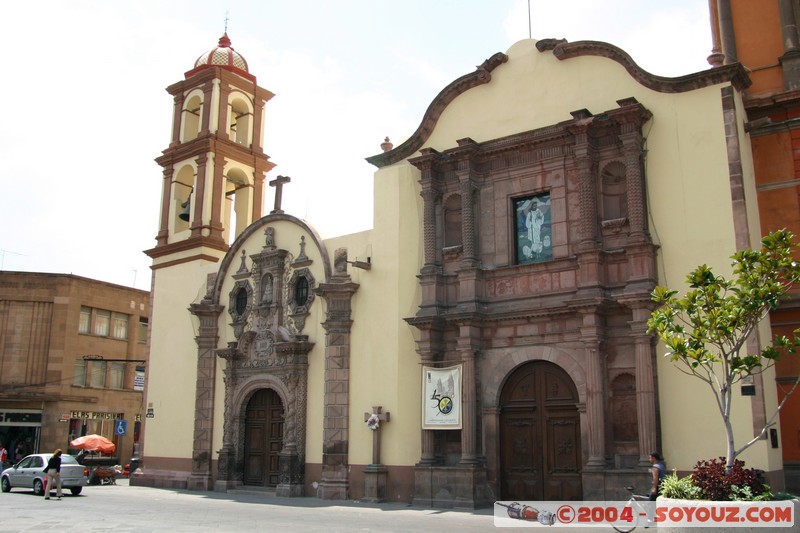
[53,471]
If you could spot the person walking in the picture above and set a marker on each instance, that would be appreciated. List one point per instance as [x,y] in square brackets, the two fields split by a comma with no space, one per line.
[658,471]
[53,471]
[3,457]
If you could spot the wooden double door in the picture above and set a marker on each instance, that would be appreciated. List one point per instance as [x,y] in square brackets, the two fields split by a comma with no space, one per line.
[263,439]
[540,452]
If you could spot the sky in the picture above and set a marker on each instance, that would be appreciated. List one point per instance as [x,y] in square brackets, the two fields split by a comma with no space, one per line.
[85,111]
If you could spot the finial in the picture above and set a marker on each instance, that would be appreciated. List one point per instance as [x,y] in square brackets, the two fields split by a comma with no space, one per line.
[226,20]
[386,145]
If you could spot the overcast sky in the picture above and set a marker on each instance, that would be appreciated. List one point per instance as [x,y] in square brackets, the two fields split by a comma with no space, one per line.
[84,110]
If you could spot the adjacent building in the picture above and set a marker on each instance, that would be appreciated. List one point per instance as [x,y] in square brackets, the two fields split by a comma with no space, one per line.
[72,361]
[487,338]
[763,37]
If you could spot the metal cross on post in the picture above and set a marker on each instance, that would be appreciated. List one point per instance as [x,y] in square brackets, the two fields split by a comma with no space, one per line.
[278,184]
[373,421]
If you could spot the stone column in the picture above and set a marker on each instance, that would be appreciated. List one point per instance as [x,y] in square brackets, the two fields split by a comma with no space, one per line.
[727,35]
[716,58]
[632,148]
[645,380]
[166,200]
[197,222]
[217,194]
[338,293]
[790,60]
[431,196]
[595,389]
[587,196]
[226,465]
[467,347]
[207,338]
[177,118]
[208,101]
[467,221]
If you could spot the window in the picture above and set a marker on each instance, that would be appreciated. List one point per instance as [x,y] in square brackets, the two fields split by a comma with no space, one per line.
[117,378]
[97,374]
[85,320]
[102,322]
[119,326]
[533,229]
[105,323]
[301,292]
[141,333]
[80,373]
[241,301]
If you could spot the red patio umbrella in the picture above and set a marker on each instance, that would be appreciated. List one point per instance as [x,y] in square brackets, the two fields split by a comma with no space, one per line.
[95,443]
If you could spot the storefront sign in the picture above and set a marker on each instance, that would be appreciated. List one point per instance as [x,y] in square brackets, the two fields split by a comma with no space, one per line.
[96,415]
[21,416]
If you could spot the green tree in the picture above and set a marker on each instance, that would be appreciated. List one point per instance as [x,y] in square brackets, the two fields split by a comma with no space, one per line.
[706,330]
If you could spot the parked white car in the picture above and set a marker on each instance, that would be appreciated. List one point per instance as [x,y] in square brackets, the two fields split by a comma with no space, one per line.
[29,474]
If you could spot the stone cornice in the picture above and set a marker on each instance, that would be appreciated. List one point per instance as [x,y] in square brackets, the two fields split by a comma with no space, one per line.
[735,74]
[481,76]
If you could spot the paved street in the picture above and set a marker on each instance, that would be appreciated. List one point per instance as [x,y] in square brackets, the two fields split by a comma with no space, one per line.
[140,509]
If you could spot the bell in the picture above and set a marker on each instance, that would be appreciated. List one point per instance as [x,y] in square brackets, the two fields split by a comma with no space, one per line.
[184,214]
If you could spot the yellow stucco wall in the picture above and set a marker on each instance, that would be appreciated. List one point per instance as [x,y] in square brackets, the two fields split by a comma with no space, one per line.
[172,368]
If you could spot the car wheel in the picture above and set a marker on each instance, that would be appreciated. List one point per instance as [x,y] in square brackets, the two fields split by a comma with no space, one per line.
[38,488]
[76,490]
[6,485]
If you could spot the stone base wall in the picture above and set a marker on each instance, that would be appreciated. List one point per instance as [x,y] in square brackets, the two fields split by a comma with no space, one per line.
[452,487]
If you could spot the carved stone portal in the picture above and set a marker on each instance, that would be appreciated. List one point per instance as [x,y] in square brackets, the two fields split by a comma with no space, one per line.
[270,353]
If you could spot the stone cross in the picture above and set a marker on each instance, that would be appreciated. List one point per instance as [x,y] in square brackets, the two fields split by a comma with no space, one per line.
[278,184]
[376,433]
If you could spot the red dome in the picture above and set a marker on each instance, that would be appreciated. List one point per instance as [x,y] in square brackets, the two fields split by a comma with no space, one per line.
[222,56]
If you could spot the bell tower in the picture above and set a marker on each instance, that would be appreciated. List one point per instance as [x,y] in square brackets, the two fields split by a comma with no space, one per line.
[213,188]
[214,167]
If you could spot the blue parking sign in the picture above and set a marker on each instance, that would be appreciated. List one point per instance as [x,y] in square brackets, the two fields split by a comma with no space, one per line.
[120,428]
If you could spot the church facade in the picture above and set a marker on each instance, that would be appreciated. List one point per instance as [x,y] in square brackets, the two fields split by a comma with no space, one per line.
[486,339]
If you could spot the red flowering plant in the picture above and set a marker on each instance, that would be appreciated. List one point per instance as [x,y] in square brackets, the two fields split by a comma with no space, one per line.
[739,484]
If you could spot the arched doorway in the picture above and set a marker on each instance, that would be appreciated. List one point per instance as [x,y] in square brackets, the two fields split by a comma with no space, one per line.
[540,453]
[263,438]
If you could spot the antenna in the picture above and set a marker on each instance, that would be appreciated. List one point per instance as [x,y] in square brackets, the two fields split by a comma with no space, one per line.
[3,256]
[529,20]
